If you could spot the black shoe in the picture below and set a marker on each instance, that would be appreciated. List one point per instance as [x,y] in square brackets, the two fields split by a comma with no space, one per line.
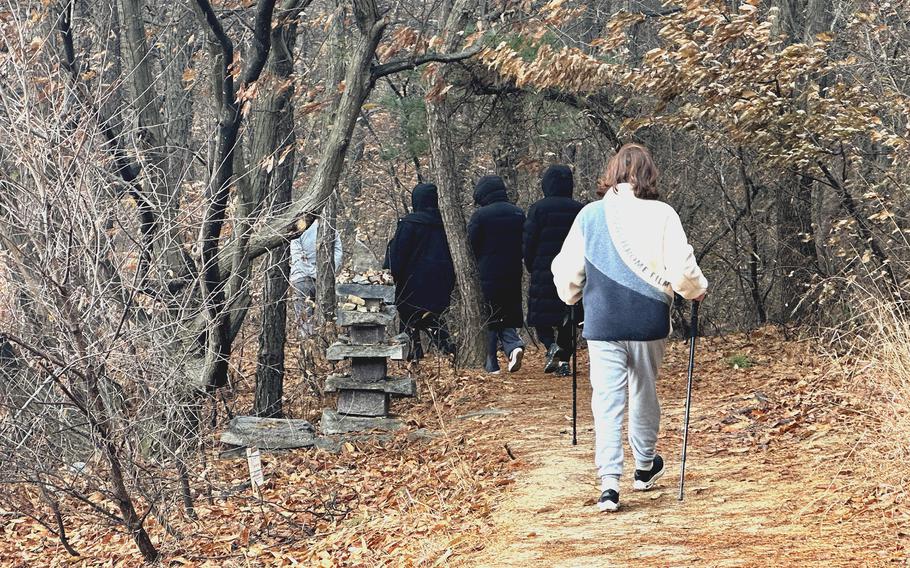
[645,480]
[609,500]
[553,354]
[563,370]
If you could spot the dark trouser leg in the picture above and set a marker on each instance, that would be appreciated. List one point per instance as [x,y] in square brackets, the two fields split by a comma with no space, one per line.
[415,348]
[564,341]
[546,336]
[510,340]
[492,362]
[439,335]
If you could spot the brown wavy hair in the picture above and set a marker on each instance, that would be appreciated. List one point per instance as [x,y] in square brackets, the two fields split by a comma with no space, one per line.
[633,164]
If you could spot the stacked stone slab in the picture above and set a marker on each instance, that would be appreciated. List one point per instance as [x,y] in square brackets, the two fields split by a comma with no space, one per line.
[364,396]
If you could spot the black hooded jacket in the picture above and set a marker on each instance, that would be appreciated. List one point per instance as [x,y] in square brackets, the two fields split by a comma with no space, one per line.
[418,256]
[549,221]
[495,235]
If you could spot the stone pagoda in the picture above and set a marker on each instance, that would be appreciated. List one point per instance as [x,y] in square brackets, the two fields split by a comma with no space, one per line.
[364,395]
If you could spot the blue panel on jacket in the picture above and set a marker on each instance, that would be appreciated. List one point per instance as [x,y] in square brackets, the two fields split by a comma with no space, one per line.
[618,313]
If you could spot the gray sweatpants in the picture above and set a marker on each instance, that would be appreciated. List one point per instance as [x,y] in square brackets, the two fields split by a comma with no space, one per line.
[616,366]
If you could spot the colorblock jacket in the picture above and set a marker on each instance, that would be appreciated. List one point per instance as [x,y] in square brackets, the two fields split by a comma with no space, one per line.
[627,256]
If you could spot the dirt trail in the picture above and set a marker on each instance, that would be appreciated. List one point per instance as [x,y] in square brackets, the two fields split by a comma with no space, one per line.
[762,476]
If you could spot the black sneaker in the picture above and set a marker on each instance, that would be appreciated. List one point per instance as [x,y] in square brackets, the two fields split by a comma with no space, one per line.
[552,358]
[645,480]
[563,370]
[609,500]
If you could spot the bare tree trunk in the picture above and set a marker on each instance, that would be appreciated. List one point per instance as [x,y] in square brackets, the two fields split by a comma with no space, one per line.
[273,333]
[325,240]
[440,121]
[325,259]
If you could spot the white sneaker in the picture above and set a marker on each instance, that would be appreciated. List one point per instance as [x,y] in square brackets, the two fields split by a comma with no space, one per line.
[515,359]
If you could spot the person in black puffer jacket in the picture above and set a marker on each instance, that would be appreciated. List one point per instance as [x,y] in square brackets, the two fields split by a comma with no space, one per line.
[549,221]
[495,234]
[421,264]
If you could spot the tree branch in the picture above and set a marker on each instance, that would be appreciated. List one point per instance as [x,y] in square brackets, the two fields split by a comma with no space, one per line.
[399,65]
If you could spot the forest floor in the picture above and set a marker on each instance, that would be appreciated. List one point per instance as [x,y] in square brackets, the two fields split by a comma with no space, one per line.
[776,476]
[773,475]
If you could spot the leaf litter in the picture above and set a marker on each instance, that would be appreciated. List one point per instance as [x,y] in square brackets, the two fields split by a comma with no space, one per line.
[771,481]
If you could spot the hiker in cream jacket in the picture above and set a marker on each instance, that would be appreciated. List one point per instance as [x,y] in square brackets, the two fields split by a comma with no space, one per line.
[627,254]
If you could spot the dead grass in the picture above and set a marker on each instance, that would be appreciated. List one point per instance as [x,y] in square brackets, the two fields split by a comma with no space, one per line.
[876,367]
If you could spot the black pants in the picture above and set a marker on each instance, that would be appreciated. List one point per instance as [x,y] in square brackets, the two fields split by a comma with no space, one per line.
[561,336]
[434,327]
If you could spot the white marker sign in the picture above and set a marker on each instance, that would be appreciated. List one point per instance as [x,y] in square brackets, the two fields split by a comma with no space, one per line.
[254,462]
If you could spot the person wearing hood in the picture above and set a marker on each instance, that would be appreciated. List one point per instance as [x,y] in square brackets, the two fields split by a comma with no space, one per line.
[421,264]
[549,221]
[495,233]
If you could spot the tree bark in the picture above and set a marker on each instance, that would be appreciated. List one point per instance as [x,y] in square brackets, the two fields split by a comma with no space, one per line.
[273,333]
[328,225]
[325,259]
[440,121]
[217,338]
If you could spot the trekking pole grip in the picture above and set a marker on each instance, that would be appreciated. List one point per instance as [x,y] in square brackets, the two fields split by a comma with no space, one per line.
[693,324]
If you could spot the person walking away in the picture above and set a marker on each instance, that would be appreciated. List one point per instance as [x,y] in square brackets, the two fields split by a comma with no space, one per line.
[303,274]
[421,264]
[626,255]
[495,233]
[545,230]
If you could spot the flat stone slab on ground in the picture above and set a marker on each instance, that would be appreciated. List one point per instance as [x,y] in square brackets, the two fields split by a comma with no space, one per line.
[401,386]
[347,318]
[335,423]
[339,351]
[269,433]
[363,402]
[367,291]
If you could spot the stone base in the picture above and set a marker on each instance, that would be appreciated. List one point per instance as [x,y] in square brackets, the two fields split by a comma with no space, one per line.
[268,433]
[363,402]
[335,423]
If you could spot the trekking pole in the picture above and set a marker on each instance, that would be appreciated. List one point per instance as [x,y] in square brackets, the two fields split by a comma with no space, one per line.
[574,375]
[692,336]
